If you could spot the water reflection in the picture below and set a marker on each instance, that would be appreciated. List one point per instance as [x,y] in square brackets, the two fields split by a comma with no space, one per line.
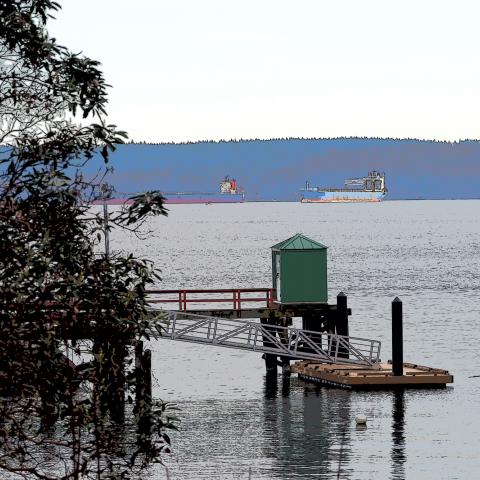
[286,385]
[270,386]
[306,429]
[398,435]
[337,406]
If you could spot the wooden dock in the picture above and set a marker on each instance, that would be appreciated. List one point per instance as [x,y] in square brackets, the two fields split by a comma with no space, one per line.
[357,377]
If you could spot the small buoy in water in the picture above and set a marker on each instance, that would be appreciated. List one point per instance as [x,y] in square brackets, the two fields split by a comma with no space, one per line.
[361,420]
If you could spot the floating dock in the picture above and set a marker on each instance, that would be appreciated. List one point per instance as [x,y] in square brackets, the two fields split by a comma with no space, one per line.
[357,377]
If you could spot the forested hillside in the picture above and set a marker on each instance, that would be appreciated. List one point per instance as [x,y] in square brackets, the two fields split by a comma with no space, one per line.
[277,169]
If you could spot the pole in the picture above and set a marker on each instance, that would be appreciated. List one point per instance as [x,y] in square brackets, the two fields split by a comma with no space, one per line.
[106,193]
[342,321]
[397,337]
[147,367]
[143,395]
[117,383]
[283,335]
[105,228]
[139,378]
[270,359]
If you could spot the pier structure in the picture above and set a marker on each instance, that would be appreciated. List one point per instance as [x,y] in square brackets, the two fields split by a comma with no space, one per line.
[325,353]
[324,350]
[257,320]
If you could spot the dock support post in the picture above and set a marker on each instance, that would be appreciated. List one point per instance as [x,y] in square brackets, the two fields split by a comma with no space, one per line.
[109,363]
[147,372]
[143,394]
[117,387]
[397,337]
[306,321]
[102,382]
[270,360]
[284,361]
[342,321]
[138,370]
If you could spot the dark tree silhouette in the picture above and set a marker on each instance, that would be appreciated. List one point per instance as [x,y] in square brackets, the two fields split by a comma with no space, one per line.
[60,419]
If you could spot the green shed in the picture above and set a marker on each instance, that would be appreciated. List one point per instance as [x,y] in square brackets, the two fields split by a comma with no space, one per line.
[299,270]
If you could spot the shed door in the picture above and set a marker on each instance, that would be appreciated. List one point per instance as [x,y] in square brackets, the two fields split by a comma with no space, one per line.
[277,280]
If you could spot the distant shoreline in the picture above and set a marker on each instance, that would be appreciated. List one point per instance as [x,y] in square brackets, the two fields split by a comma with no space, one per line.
[99,202]
[299,139]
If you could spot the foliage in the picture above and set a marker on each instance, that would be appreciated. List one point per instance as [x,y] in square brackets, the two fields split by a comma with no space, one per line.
[57,295]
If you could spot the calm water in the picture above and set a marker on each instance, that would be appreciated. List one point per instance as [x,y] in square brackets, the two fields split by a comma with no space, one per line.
[236,426]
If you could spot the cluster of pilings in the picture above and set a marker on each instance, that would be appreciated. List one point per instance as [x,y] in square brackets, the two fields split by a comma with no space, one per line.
[108,375]
[316,317]
[106,372]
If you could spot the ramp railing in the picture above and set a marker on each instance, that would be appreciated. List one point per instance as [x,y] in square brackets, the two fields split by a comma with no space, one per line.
[257,337]
[229,296]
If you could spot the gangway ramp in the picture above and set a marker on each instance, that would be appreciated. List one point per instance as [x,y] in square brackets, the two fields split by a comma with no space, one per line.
[287,342]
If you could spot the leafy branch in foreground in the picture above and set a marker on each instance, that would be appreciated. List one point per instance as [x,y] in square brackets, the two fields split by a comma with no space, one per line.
[59,300]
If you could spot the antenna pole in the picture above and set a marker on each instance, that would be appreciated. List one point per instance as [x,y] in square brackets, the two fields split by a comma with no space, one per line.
[106,193]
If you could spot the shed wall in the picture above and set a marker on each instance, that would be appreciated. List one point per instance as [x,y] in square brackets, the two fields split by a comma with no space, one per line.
[303,276]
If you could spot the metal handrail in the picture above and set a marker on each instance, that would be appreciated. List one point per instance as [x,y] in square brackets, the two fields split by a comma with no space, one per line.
[236,297]
[284,341]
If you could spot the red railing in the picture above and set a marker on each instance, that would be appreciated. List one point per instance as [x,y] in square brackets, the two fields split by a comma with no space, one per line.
[235,295]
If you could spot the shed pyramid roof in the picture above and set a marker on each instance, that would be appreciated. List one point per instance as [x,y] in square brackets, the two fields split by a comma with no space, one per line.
[298,242]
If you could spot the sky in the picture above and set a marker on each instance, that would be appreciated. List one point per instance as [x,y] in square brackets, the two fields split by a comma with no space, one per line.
[187,70]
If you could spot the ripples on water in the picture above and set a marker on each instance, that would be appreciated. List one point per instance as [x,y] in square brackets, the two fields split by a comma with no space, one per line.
[235,425]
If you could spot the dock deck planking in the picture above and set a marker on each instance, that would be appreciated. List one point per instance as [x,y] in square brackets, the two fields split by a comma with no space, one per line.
[414,376]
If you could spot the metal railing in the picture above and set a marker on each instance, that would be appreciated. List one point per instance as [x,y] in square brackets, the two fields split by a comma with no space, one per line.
[232,296]
[283,341]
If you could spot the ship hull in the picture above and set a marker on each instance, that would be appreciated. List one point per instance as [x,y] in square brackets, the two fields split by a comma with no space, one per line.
[345,196]
[184,198]
[204,198]
[339,200]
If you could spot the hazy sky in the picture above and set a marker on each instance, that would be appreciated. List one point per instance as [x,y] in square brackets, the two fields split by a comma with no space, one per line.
[221,69]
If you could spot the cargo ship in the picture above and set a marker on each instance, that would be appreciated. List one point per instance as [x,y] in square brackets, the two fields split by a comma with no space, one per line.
[366,189]
[229,193]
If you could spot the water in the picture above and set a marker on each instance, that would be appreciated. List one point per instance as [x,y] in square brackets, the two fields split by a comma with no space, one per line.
[237,426]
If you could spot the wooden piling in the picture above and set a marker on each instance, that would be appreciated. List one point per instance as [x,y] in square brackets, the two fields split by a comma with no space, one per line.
[270,360]
[285,361]
[397,337]
[117,383]
[147,372]
[342,321]
[48,386]
[307,321]
[143,394]
[110,382]
[99,349]
[139,379]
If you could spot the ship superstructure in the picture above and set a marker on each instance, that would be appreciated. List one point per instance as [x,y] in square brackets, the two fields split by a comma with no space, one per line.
[228,186]
[365,189]
[229,193]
